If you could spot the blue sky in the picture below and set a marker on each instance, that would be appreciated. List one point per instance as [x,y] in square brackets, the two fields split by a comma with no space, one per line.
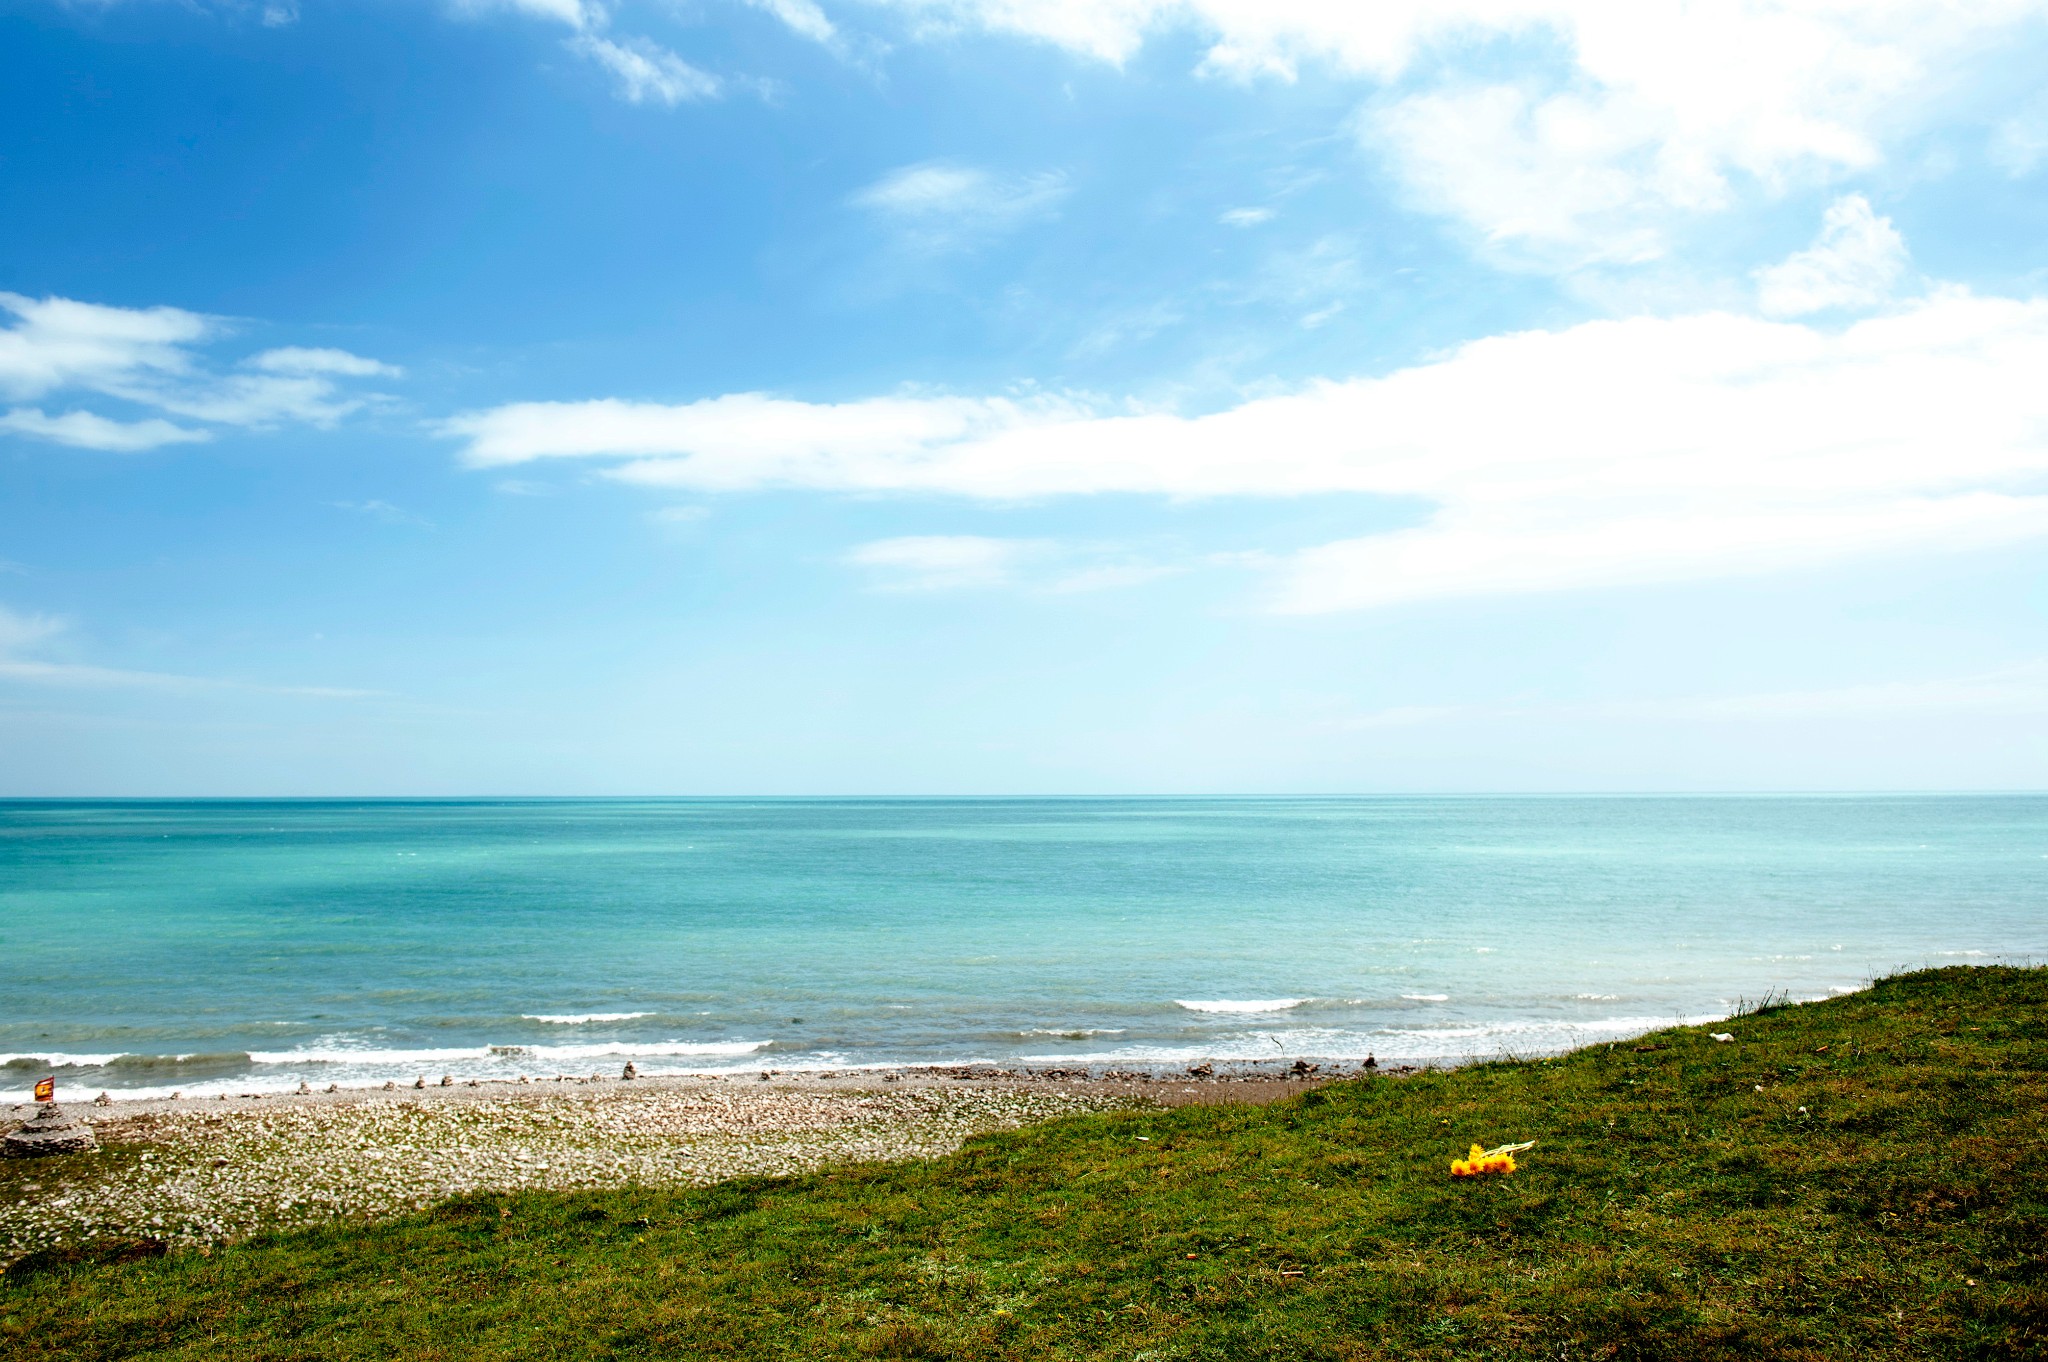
[1021,396]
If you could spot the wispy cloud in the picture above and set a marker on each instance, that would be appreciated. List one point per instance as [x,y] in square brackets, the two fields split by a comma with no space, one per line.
[84,430]
[962,562]
[19,631]
[302,360]
[643,71]
[23,636]
[1246,217]
[803,17]
[576,14]
[2018,689]
[2019,144]
[385,512]
[942,205]
[647,72]
[152,358]
[71,675]
[944,562]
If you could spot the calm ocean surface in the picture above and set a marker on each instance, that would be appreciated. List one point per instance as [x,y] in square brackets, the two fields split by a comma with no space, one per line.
[235,946]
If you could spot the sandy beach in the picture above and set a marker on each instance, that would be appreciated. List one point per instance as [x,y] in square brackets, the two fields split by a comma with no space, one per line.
[200,1171]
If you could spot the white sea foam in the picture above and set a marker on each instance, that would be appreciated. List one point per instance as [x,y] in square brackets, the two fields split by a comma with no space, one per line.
[401,1058]
[1390,1045]
[1427,997]
[1241,1004]
[57,1060]
[1071,1032]
[728,1048]
[367,1057]
[581,1018]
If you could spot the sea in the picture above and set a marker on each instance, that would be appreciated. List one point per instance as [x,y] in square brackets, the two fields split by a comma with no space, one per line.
[251,946]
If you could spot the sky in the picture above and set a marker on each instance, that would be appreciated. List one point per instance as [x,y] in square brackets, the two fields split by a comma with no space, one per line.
[535,397]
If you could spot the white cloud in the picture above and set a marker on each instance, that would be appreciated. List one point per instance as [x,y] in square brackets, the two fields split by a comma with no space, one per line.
[384,511]
[744,440]
[944,562]
[84,430]
[1246,217]
[1855,262]
[297,359]
[1618,116]
[574,13]
[939,204]
[263,400]
[151,357]
[646,71]
[642,70]
[1612,452]
[803,17]
[955,562]
[61,343]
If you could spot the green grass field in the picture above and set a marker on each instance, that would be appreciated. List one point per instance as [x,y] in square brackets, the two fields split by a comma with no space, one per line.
[1861,1178]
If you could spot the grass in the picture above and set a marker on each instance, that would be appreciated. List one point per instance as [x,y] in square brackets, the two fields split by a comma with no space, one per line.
[1860,1178]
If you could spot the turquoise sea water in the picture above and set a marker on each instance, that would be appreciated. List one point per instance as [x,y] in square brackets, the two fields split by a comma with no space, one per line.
[212,946]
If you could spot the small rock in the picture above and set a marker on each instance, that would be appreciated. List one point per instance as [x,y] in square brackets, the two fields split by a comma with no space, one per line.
[334,1087]
[420,1082]
[446,1081]
[389,1084]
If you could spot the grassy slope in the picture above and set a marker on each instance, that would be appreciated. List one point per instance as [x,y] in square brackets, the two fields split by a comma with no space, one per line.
[1671,1210]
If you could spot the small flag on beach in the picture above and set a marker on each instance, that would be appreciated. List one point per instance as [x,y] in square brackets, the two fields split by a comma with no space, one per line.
[46,1089]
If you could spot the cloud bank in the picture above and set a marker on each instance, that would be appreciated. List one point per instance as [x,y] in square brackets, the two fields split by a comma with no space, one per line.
[1615,451]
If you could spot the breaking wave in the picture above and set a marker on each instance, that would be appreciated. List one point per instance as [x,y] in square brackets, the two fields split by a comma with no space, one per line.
[581,1018]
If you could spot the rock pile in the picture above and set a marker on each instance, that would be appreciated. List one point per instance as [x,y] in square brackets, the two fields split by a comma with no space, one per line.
[49,1131]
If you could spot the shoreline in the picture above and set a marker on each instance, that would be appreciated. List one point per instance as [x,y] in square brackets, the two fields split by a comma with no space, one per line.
[19,1103]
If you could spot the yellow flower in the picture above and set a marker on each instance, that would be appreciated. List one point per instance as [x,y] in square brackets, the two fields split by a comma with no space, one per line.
[1482,1161]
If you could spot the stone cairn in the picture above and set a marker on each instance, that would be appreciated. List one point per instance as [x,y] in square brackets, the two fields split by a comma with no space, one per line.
[49,1131]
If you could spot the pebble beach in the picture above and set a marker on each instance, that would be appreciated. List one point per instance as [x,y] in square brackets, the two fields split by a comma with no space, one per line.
[196,1172]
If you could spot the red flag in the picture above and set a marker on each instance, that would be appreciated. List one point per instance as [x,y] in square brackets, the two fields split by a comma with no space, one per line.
[46,1089]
